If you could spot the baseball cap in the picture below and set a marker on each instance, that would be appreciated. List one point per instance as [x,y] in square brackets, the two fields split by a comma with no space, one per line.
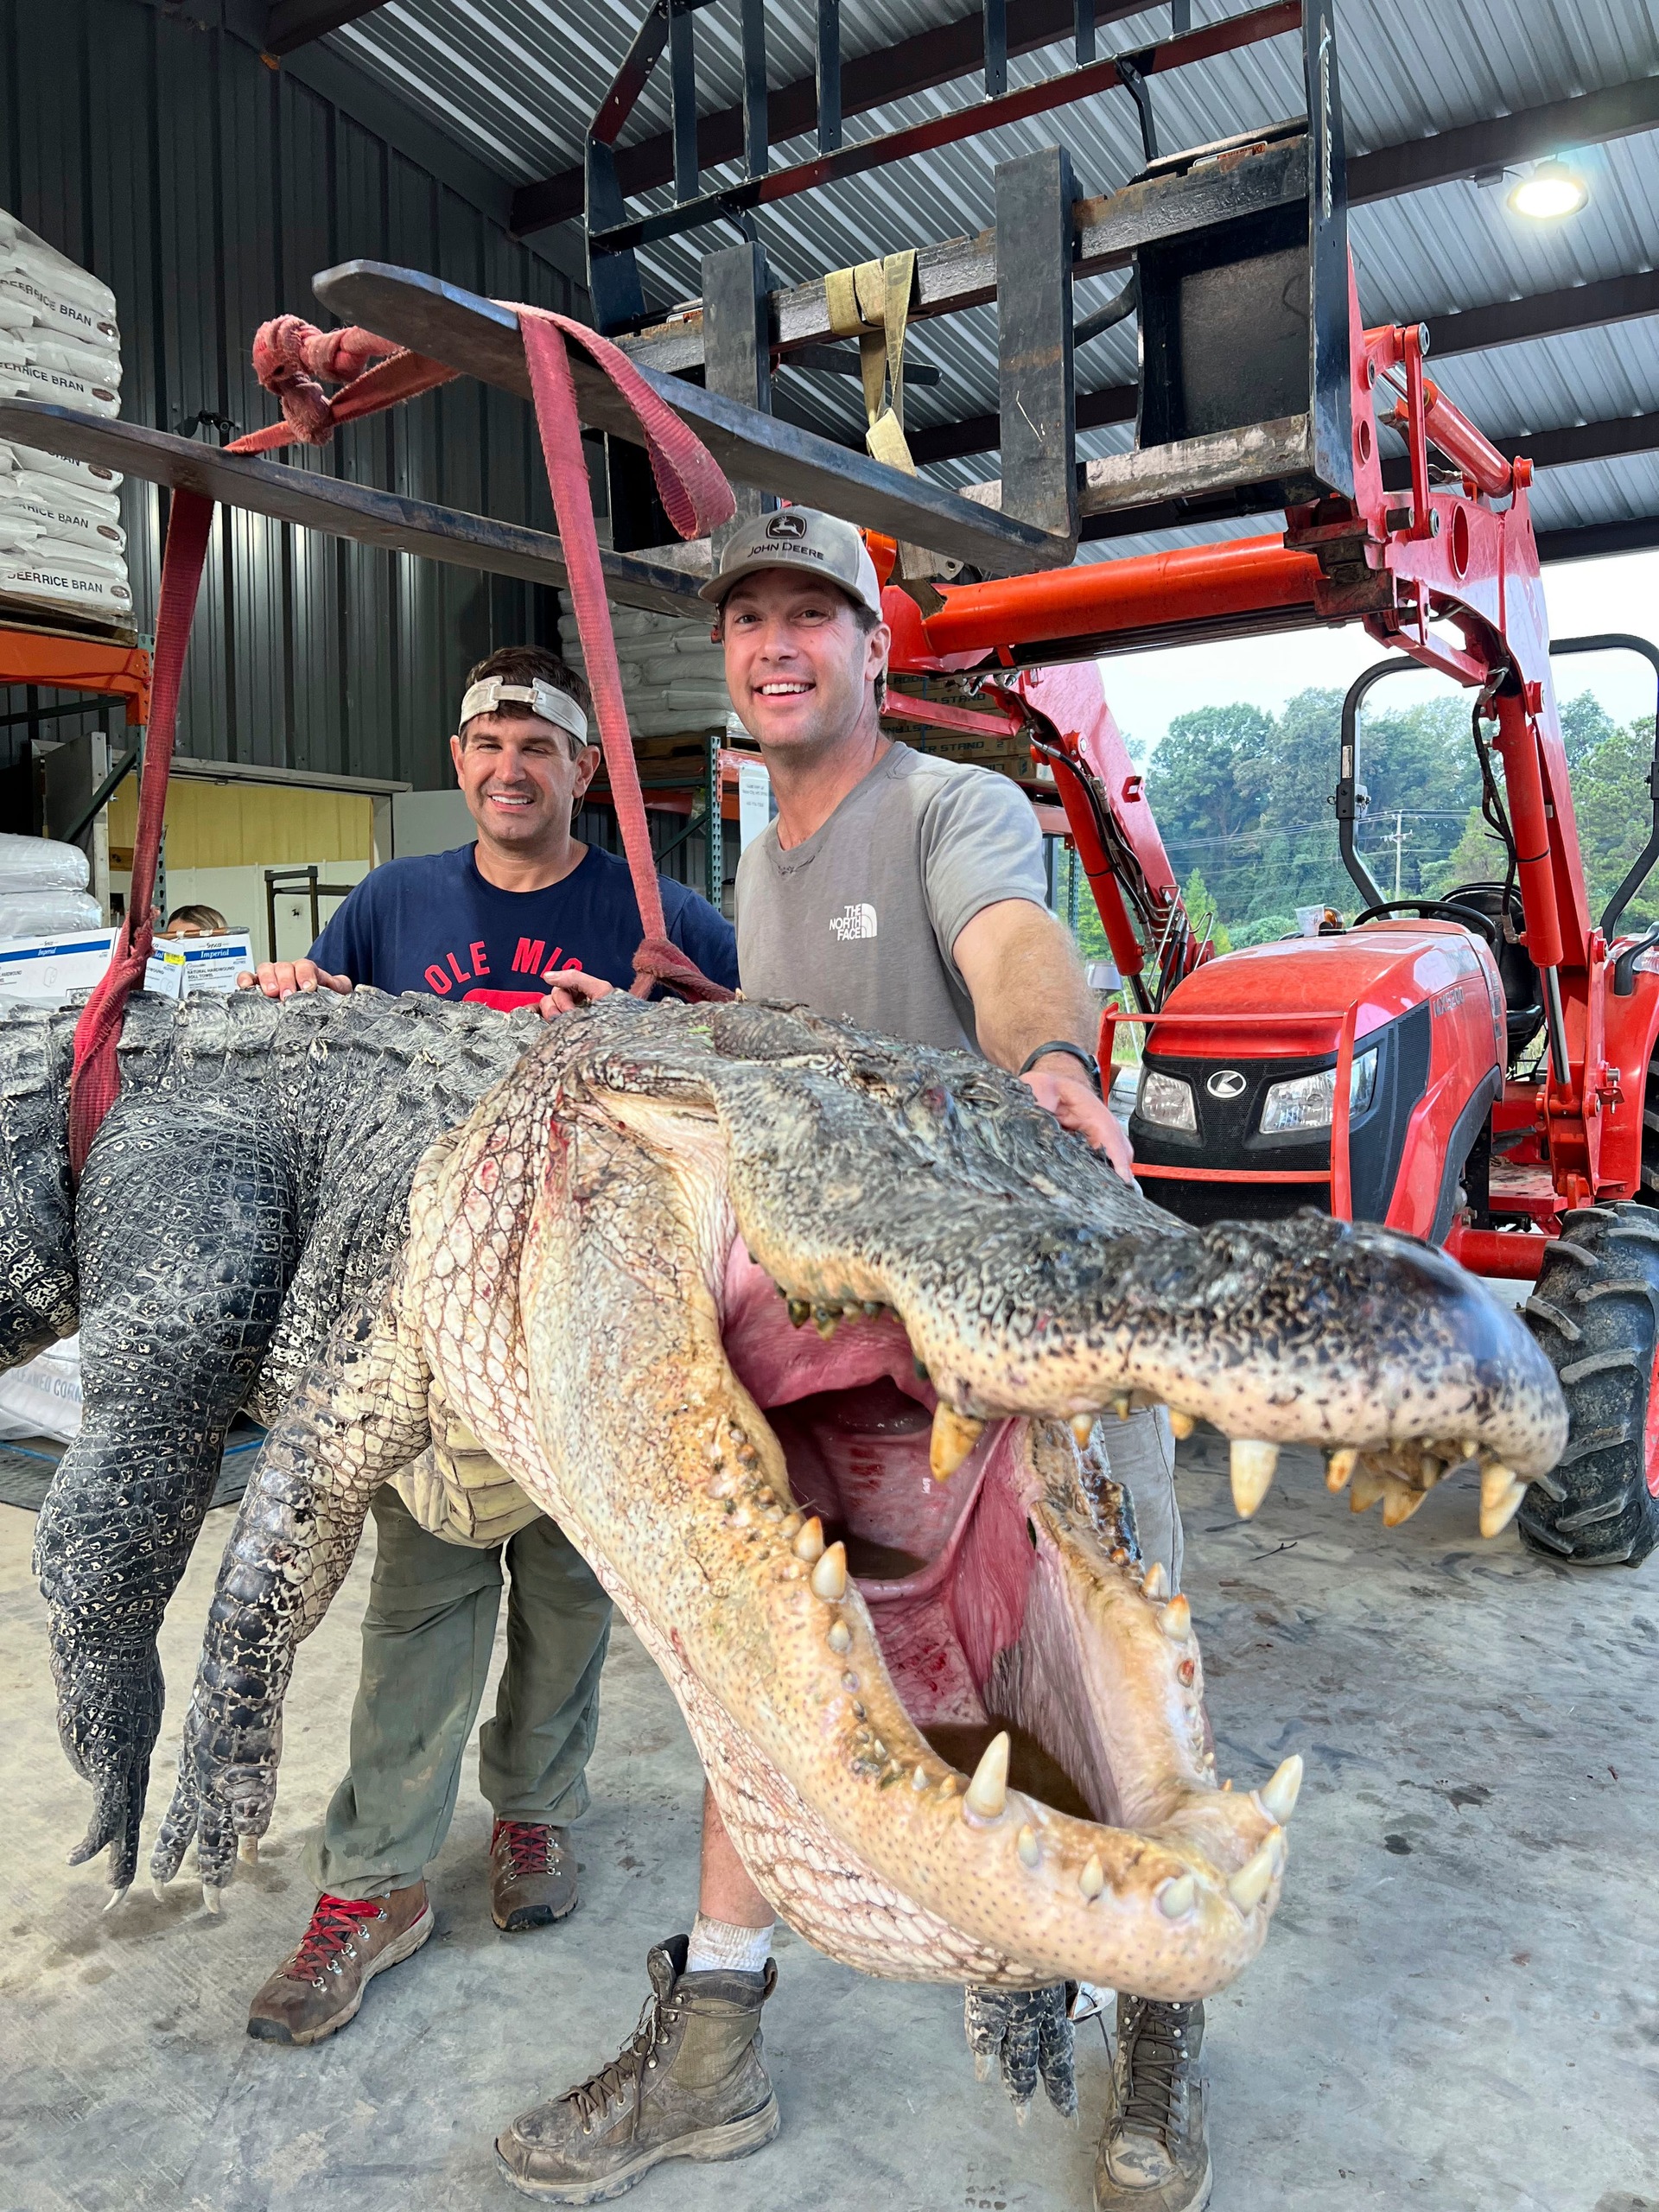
[807,541]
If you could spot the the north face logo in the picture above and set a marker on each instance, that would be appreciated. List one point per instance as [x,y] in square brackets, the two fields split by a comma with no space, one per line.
[853,922]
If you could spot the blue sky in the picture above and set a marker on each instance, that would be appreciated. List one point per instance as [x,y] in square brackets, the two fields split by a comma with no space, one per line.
[1621,592]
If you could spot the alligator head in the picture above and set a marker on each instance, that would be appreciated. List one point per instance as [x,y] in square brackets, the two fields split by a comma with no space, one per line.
[802,1335]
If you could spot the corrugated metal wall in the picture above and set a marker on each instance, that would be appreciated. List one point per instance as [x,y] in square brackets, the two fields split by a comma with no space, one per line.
[206,189]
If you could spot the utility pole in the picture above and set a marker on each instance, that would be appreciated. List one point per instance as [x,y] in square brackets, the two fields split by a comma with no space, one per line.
[1397,841]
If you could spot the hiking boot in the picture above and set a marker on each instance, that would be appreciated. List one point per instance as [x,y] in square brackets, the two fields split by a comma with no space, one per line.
[689,2085]
[1152,2156]
[350,1940]
[532,1875]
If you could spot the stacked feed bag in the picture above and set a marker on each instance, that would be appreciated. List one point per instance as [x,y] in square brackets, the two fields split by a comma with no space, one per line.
[43,889]
[61,543]
[673,678]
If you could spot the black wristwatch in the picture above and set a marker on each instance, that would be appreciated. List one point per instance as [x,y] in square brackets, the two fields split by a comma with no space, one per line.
[1087,1061]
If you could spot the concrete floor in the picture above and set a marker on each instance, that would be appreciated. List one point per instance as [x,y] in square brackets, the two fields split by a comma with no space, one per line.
[1457,2006]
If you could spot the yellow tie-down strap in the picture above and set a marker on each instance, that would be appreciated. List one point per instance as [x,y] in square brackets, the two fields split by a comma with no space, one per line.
[871,302]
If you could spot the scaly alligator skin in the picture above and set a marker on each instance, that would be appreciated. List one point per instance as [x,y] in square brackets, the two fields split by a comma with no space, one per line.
[251,1183]
[869,1555]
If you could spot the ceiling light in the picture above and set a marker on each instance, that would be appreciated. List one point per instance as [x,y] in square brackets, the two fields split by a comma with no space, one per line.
[1549,192]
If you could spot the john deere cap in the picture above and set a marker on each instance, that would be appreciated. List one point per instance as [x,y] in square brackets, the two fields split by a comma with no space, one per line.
[806,541]
[542,698]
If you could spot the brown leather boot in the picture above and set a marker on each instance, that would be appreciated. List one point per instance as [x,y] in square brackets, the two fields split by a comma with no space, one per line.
[350,1940]
[532,1875]
[689,2085]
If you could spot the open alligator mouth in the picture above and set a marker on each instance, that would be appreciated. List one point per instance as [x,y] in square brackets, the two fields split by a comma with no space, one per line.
[816,1331]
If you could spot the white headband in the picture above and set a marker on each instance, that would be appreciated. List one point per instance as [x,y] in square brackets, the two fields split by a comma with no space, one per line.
[543,698]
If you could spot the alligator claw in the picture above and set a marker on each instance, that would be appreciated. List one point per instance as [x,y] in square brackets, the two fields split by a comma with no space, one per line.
[1027,2034]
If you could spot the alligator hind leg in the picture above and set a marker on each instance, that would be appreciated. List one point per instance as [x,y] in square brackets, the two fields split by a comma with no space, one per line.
[358,1415]
[188,1234]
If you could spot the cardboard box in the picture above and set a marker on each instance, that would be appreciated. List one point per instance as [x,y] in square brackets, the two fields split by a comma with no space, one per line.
[179,965]
[46,969]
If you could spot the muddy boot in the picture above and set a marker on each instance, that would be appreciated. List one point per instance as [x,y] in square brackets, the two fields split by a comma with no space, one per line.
[1152,2156]
[350,1940]
[532,1875]
[689,2085]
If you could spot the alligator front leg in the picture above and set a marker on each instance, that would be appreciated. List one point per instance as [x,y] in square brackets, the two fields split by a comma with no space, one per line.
[359,1415]
[179,1301]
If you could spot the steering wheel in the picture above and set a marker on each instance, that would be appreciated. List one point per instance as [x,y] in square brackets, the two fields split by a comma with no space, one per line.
[1470,918]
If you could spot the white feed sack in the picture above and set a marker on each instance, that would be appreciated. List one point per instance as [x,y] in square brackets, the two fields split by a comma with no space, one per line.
[61,543]
[673,678]
[43,889]
[42,1398]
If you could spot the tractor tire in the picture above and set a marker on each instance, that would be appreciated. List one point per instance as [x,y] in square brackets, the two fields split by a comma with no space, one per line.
[1596,1313]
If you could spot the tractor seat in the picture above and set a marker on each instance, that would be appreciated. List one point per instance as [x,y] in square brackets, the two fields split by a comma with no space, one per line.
[1521,996]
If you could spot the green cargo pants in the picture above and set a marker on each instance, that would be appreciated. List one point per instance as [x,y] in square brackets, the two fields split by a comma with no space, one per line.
[428,1635]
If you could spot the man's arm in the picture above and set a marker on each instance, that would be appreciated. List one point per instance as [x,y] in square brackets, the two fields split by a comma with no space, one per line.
[1027,986]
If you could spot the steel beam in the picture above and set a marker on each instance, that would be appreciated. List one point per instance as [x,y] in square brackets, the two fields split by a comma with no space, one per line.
[482,340]
[932,58]
[1472,149]
[293,23]
[334,507]
[1590,541]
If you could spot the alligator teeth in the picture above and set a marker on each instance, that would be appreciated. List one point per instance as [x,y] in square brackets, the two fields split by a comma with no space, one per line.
[1501,1493]
[1249,1886]
[800,1312]
[1339,1467]
[954,1437]
[1082,1428]
[1155,1581]
[1252,1465]
[1430,1470]
[1123,1404]
[1182,1425]
[1366,1488]
[1177,1897]
[1026,1843]
[840,1638]
[987,1793]
[1277,1796]
[1092,1880]
[873,1309]
[829,1575]
[825,1320]
[918,1779]
[1470,1447]
[809,1545]
[247,1850]
[1400,1501]
[1176,1620]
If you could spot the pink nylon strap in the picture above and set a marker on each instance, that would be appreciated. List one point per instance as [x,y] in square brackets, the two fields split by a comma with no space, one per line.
[697,498]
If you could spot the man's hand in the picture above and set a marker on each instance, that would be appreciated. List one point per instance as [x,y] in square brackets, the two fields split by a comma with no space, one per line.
[570,989]
[280,979]
[1072,1101]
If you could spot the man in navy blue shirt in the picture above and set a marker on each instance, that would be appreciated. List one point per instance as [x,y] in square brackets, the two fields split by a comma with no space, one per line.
[494,921]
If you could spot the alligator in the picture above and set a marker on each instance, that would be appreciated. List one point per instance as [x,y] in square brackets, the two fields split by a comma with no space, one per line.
[809,1340]
[250,1185]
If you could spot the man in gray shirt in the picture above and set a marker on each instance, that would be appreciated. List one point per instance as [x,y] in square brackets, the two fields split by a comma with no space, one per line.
[906,894]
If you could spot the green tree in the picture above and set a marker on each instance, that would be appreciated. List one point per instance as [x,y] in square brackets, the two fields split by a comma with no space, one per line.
[1202,913]
[1615,811]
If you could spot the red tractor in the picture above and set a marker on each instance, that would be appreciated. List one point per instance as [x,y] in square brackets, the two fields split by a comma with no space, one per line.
[1477,1070]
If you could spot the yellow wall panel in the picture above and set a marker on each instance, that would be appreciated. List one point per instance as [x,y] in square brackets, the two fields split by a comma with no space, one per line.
[245,825]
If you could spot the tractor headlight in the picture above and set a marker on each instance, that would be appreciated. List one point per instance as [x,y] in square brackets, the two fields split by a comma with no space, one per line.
[1305,1102]
[1167,1101]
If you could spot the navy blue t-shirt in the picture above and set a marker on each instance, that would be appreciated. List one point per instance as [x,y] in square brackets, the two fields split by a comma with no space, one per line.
[432,923]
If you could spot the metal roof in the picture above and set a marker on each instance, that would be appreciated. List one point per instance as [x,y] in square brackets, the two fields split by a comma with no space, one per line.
[516,83]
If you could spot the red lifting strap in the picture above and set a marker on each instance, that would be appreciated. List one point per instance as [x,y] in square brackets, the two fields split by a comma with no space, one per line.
[291,357]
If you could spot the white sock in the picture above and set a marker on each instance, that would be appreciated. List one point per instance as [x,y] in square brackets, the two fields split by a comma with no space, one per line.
[721,1946]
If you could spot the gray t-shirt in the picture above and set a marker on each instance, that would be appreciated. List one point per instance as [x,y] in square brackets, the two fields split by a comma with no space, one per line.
[859,921]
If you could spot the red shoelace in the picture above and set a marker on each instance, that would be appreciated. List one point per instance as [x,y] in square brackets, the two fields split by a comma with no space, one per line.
[334,1923]
[529,1845]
